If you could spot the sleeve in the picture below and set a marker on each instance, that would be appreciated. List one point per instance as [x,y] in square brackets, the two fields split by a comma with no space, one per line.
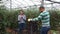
[24,17]
[37,18]
[18,18]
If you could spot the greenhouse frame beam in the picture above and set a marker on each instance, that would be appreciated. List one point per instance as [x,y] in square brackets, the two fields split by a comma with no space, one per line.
[26,2]
[23,6]
[33,5]
[55,2]
[29,6]
[32,2]
[21,3]
[16,4]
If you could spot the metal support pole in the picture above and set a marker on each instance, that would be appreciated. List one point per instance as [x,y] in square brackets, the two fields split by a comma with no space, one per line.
[31,29]
[42,3]
[10,5]
[51,5]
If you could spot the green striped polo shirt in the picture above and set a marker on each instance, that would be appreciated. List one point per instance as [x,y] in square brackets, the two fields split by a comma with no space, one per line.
[44,17]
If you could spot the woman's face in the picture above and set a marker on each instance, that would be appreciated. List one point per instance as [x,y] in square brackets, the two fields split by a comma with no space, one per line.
[21,12]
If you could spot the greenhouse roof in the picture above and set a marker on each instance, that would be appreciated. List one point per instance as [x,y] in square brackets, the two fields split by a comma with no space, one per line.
[31,3]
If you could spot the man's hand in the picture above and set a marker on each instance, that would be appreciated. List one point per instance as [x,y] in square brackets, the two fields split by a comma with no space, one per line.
[29,19]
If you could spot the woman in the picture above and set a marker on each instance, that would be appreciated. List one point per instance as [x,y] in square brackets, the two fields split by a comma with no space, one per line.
[21,21]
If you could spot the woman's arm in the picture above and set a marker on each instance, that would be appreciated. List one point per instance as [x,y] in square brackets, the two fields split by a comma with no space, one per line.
[18,18]
[24,18]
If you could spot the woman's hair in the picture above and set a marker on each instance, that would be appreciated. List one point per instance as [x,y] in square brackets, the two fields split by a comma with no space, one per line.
[22,11]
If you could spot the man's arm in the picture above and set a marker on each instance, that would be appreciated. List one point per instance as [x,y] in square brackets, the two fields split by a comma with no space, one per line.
[37,18]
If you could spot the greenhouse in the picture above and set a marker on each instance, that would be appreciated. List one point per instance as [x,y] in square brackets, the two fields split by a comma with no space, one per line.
[18,16]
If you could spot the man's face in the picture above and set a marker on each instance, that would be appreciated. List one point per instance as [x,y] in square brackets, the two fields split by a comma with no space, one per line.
[41,9]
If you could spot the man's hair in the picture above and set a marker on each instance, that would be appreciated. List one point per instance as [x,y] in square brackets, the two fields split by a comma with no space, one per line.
[42,7]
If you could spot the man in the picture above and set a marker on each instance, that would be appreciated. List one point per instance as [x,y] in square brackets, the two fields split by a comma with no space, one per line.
[45,19]
[21,21]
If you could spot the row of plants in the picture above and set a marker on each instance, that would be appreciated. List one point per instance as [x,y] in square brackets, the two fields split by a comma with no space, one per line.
[9,18]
